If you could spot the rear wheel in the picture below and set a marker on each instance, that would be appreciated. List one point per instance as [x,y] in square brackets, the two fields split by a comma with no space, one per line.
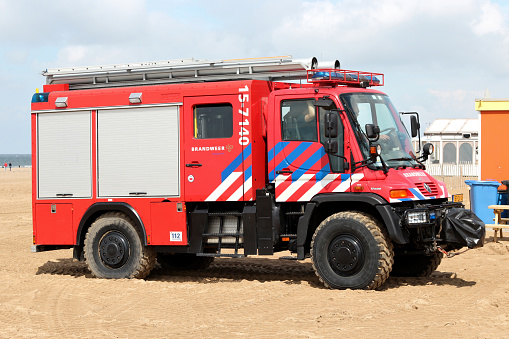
[415,265]
[114,250]
[351,250]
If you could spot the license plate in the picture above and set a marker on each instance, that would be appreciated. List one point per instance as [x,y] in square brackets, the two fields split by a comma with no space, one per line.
[457,197]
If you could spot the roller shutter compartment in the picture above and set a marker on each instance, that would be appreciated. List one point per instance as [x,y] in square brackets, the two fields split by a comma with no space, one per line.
[138,152]
[64,155]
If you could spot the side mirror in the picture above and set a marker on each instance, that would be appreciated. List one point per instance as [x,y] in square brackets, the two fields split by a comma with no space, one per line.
[427,150]
[324,103]
[372,131]
[331,121]
[331,146]
[414,126]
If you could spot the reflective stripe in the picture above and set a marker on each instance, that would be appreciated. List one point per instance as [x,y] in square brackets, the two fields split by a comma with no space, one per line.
[294,187]
[317,186]
[236,163]
[224,186]
[320,185]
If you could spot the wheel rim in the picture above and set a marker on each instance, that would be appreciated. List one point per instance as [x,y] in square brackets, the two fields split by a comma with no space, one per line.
[114,249]
[346,255]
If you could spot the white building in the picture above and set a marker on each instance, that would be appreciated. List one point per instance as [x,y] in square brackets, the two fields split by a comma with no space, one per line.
[455,140]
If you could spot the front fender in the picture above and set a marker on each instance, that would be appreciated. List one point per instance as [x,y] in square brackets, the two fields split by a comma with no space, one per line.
[389,218]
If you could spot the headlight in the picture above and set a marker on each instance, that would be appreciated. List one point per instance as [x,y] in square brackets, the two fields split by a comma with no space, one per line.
[416,217]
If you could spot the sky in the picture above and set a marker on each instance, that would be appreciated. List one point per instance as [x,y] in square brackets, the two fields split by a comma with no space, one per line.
[438,56]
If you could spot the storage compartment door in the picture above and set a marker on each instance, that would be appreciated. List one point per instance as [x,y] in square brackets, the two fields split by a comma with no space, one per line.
[138,152]
[64,155]
[169,226]
[53,224]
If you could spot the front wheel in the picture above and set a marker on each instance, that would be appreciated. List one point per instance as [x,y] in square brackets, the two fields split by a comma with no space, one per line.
[351,250]
[114,250]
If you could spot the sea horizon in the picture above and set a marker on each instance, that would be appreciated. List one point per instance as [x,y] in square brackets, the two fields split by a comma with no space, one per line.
[16,160]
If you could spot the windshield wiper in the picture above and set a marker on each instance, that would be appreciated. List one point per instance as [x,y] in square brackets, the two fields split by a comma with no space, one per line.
[400,159]
[420,164]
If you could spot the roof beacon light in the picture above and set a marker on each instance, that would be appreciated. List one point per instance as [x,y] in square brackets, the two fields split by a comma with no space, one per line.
[345,77]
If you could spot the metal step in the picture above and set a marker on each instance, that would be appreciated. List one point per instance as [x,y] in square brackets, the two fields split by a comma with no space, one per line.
[223,234]
[224,224]
[225,214]
[294,213]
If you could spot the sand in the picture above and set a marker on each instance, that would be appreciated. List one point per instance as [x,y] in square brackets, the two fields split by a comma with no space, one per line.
[49,295]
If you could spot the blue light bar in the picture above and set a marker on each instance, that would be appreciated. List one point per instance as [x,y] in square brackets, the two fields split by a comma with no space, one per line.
[40,97]
[327,75]
[345,77]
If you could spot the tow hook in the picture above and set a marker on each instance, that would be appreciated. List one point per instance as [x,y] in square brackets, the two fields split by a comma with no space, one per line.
[448,254]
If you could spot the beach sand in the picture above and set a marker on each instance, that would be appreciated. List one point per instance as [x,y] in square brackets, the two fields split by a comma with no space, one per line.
[49,295]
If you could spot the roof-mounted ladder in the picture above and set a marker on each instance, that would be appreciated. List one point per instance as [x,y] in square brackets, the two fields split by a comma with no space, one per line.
[183,70]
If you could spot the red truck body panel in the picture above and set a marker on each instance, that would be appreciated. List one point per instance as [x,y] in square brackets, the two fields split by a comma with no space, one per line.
[228,171]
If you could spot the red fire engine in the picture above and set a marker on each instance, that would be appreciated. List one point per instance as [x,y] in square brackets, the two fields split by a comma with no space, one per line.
[182,161]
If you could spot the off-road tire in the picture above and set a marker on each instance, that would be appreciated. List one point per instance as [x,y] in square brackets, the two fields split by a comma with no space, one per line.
[183,261]
[114,248]
[415,265]
[351,250]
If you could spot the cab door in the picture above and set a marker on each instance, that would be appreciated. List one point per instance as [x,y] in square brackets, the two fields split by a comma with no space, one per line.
[302,169]
[213,159]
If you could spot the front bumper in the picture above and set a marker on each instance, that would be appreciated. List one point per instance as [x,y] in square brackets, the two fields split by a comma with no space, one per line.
[447,225]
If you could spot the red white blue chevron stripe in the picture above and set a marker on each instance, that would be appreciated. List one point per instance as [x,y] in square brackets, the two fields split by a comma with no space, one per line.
[311,172]
[236,180]
[310,185]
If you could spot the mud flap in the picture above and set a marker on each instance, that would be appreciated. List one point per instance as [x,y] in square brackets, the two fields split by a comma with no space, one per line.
[462,226]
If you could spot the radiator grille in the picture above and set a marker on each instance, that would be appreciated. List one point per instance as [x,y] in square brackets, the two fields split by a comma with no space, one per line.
[431,185]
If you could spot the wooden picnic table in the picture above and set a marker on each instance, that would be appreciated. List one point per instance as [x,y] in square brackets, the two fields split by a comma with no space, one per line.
[500,223]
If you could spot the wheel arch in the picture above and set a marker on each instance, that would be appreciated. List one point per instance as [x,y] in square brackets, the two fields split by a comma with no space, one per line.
[324,205]
[98,209]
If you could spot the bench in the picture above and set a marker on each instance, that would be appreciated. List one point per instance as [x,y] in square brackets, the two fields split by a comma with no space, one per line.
[500,223]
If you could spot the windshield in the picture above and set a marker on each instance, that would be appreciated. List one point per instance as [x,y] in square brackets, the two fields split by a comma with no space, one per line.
[377,109]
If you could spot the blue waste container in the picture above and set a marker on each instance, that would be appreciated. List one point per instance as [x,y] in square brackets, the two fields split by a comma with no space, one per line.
[483,194]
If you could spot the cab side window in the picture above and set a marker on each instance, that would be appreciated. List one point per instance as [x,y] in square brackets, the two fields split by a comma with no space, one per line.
[298,120]
[213,121]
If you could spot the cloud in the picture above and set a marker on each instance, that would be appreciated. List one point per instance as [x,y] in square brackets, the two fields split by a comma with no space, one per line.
[457,95]
[491,21]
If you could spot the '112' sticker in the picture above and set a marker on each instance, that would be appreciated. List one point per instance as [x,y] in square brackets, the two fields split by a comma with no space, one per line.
[175,236]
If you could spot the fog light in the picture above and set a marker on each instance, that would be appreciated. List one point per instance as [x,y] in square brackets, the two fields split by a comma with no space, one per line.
[417,217]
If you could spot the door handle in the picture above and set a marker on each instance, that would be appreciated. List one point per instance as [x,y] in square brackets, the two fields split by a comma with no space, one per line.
[193,165]
[285,171]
